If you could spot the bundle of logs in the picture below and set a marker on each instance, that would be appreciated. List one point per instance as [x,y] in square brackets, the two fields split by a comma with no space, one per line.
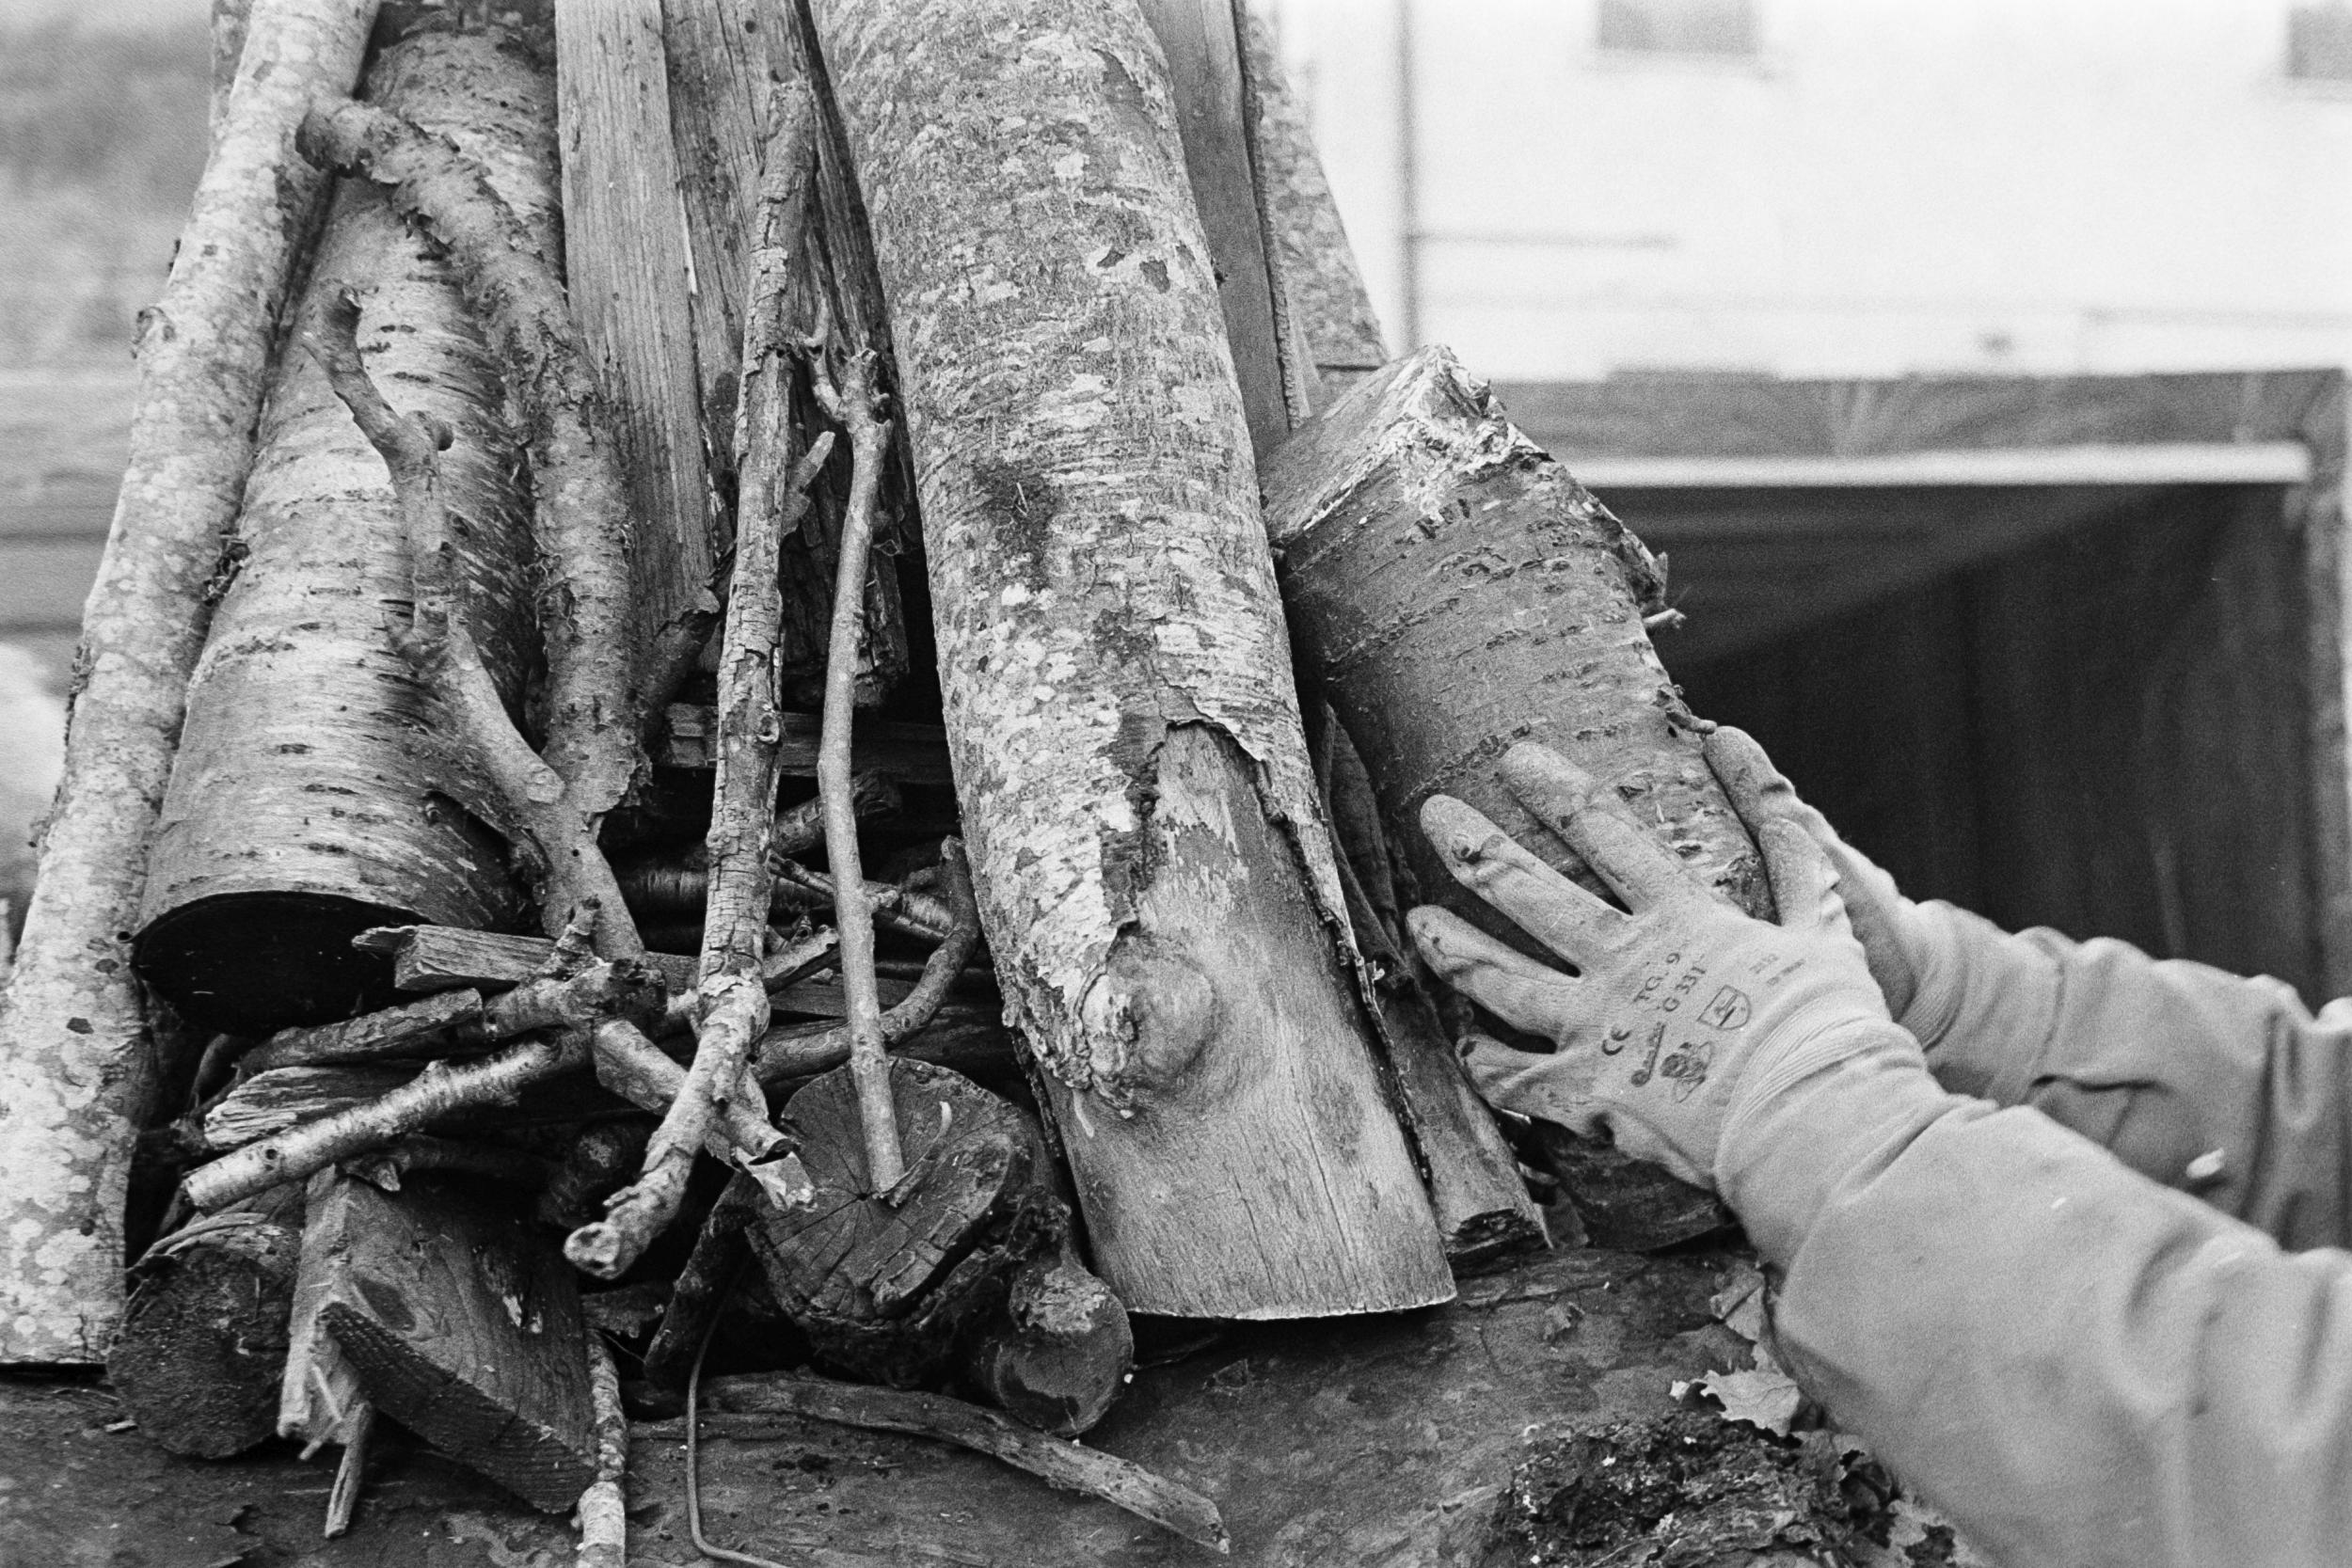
[882,538]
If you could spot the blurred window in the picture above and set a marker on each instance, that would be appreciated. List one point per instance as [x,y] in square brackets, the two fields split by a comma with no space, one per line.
[1679,26]
[2319,42]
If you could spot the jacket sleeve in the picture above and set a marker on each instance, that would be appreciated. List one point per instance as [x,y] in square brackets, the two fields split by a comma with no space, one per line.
[2080,1366]
[2210,1082]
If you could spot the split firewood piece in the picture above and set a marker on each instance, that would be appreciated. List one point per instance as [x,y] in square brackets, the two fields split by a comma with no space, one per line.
[203,1341]
[581,505]
[1482,1203]
[731,996]
[698,1295]
[630,279]
[850,399]
[603,1508]
[1454,590]
[462,1324]
[319,1399]
[1321,287]
[883,1278]
[1071,1466]
[446,958]
[781,1056]
[441,1089]
[315,794]
[351,1473]
[1155,876]
[1205,80]
[73,1015]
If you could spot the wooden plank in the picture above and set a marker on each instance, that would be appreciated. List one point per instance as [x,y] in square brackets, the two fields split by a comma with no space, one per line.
[462,1322]
[631,277]
[445,957]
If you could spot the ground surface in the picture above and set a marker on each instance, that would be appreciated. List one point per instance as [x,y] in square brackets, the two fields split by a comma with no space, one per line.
[1372,1443]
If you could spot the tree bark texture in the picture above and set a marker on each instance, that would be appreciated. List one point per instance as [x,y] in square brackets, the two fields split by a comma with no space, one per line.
[315,796]
[1321,286]
[77,1073]
[1454,590]
[632,279]
[1155,879]
[1457,592]
[203,1340]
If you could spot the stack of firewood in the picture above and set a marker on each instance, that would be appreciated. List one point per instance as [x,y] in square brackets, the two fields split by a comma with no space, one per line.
[785,500]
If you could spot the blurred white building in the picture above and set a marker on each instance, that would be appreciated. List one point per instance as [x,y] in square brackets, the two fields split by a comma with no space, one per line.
[1571,188]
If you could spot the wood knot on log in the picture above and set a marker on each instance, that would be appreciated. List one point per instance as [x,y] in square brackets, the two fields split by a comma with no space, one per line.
[1148,1019]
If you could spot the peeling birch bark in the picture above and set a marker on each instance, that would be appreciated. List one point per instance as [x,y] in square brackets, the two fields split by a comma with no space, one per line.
[318,791]
[75,1074]
[1454,590]
[1155,879]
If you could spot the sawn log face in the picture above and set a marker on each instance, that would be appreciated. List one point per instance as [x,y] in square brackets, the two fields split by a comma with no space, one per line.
[311,798]
[1155,876]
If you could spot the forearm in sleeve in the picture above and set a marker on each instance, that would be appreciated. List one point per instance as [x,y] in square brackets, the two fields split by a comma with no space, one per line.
[2210,1083]
[2078,1365]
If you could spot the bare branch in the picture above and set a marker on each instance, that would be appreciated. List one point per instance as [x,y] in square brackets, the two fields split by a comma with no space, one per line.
[851,402]
[543,810]
[782,1057]
[603,1518]
[582,509]
[441,1088]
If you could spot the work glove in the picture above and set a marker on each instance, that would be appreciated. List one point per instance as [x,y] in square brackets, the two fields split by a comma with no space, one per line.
[1912,957]
[1681,1015]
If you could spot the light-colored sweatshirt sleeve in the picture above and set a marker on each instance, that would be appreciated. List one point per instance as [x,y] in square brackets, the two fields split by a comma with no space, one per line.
[2080,1366]
[2217,1084]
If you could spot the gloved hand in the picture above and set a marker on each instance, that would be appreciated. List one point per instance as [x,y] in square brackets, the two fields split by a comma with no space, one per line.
[1681,1015]
[1908,954]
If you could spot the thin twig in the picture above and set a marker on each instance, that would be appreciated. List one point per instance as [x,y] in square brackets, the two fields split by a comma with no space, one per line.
[342,1500]
[441,1088]
[779,1058]
[603,1508]
[541,809]
[851,402]
[694,1463]
[580,498]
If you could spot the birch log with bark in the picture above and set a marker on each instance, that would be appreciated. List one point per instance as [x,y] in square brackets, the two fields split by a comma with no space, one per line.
[76,1071]
[315,793]
[1155,879]
[1454,590]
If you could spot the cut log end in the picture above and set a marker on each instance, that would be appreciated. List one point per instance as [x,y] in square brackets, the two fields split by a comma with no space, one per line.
[253,964]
